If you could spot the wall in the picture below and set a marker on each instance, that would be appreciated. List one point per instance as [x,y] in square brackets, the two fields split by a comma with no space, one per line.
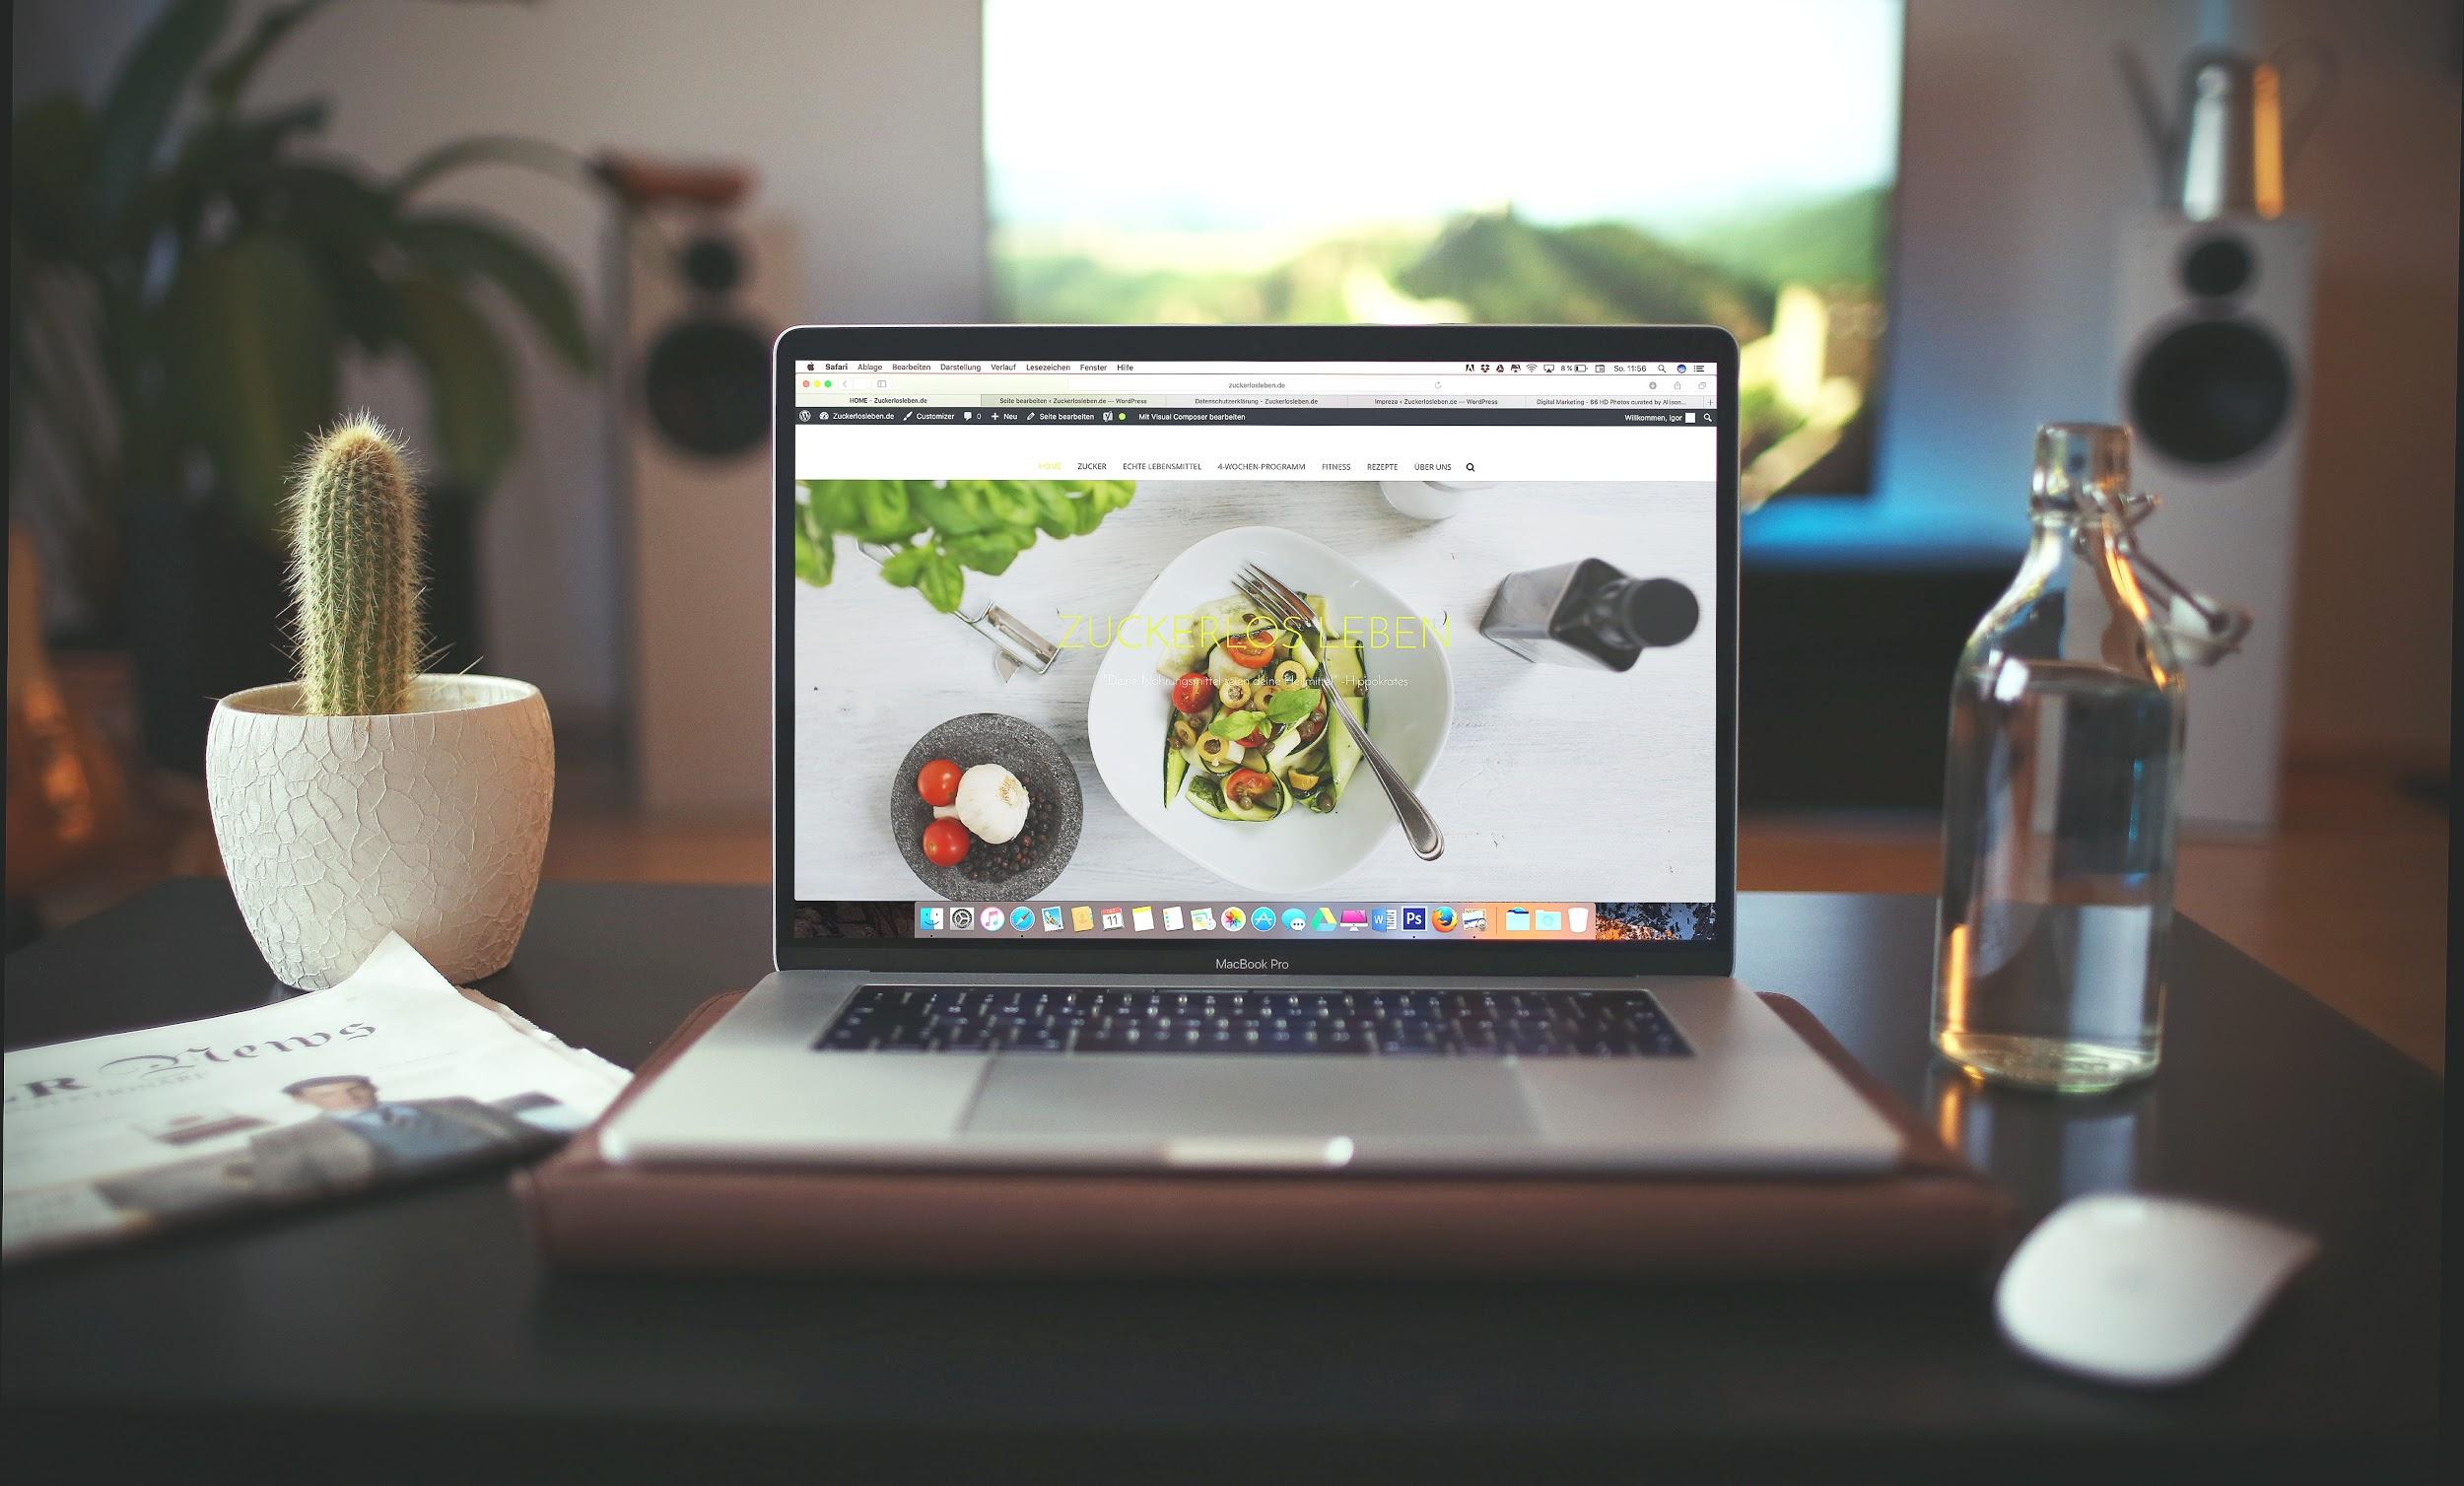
[2374,659]
[2020,149]
[863,121]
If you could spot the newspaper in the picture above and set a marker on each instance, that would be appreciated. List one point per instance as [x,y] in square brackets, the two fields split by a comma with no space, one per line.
[392,1075]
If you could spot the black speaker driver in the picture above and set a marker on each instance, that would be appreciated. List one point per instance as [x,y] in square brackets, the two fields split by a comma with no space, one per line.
[2211,391]
[2217,267]
[706,384]
[712,264]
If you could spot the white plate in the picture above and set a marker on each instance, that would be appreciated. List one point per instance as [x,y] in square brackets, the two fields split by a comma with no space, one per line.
[1411,704]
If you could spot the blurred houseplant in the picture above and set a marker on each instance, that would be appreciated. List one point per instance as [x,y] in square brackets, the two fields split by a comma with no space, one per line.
[189,276]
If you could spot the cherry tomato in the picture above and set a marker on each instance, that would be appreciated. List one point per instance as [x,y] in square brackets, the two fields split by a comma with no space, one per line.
[1255,739]
[938,781]
[1246,786]
[946,842]
[1250,650]
[1192,693]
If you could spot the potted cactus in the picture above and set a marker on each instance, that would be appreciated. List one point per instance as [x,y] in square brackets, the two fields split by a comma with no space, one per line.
[365,797]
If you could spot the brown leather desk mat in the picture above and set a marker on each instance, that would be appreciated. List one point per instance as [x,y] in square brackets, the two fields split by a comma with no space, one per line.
[1933,1213]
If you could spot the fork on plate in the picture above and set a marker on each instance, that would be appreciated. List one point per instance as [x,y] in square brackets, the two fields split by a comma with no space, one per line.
[1419,827]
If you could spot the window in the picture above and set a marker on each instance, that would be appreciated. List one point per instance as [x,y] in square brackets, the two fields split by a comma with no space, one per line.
[1730,165]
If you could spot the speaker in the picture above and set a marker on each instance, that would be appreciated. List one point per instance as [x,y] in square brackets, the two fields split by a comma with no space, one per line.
[2213,342]
[704,290]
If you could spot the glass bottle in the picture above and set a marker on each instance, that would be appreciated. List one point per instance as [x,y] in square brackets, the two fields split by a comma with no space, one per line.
[1589,614]
[2058,812]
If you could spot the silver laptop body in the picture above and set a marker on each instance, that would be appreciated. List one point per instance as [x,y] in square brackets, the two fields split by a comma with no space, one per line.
[1460,1051]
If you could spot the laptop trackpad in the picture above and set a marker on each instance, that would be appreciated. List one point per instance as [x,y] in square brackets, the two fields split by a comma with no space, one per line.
[1299,1097]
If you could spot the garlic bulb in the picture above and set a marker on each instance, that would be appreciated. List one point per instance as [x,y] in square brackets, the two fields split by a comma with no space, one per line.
[992,804]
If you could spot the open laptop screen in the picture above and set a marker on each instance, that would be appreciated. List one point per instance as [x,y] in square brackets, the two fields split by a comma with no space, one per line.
[1029,703]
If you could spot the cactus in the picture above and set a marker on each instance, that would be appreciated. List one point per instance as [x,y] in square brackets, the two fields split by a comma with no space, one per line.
[355,578]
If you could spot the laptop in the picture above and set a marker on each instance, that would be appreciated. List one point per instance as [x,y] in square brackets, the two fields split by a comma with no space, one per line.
[1255,747]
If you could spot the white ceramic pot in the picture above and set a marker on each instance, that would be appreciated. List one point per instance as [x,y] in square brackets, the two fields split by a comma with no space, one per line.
[430,822]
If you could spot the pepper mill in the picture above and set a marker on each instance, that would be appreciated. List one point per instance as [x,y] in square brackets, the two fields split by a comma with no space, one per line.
[1589,614]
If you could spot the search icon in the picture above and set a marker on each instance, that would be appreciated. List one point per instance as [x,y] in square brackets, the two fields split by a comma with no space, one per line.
[1471,469]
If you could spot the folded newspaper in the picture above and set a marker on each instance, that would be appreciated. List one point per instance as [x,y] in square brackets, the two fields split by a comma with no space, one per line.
[392,1075]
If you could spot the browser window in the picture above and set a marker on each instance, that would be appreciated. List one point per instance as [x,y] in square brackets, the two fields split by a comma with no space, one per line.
[1121,650]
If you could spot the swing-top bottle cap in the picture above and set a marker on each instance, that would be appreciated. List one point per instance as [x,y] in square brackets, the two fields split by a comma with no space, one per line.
[2081,466]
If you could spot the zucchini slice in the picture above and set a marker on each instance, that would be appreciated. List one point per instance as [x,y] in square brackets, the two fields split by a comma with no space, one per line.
[1206,794]
[1191,644]
[1221,668]
[1288,749]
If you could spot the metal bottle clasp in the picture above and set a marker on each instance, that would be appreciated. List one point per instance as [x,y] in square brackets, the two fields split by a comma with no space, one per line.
[2202,629]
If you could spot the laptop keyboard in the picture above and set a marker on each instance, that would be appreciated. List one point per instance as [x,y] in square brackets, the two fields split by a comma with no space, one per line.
[1356,1023]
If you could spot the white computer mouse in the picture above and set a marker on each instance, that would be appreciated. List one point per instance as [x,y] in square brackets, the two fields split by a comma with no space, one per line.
[2143,1290]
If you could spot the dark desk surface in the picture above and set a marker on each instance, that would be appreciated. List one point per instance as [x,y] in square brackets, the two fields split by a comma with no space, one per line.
[419,1320]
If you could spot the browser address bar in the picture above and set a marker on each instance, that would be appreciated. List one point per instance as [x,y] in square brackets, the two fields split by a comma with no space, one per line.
[1134,382]
[1520,386]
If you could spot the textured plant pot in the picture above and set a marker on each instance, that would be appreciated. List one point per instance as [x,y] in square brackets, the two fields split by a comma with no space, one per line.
[430,822]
